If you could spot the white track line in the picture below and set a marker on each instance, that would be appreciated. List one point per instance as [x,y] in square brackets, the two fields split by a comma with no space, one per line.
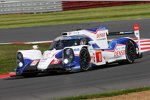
[35,42]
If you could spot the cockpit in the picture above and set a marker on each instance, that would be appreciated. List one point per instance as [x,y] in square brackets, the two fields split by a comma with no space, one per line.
[67,41]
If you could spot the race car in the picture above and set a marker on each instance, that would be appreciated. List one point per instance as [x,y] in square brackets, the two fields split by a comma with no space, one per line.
[80,50]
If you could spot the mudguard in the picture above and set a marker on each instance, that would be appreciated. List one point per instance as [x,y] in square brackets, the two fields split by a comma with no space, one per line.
[29,62]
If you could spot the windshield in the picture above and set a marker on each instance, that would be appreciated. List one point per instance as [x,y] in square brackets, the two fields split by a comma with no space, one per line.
[60,44]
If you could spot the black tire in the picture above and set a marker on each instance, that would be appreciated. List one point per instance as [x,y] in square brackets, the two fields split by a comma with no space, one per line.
[84,59]
[130,53]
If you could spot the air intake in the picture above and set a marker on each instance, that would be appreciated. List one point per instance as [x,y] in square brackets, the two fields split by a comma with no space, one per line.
[63,33]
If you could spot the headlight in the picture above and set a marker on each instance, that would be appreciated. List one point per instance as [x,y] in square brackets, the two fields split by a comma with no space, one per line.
[68,55]
[20,61]
[66,61]
[20,64]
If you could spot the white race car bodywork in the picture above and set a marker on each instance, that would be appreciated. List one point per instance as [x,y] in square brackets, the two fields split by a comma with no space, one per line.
[99,57]
[31,54]
[43,60]
[47,59]
[101,51]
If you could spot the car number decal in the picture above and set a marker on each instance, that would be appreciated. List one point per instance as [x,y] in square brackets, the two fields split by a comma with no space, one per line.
[98,56]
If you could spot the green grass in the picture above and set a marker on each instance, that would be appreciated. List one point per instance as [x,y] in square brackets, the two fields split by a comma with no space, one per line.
[107,94]
[8,55]
[76,16]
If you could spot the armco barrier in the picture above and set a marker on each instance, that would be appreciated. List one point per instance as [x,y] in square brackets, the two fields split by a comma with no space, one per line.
[29,6]
[74,5]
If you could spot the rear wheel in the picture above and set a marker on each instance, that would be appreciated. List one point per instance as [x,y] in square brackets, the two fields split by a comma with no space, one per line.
[130,53]
[84,59]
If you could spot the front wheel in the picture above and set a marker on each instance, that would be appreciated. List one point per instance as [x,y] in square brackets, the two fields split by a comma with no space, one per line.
[84,59]
[130,53]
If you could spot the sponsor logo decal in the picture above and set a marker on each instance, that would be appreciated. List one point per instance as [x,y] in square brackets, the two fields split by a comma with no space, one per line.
[101,35]
[119,50]
[76,49]
[119,53]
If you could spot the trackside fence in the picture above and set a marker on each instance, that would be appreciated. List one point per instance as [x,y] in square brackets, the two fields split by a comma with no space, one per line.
[30,6]
[35,6]
[75,5]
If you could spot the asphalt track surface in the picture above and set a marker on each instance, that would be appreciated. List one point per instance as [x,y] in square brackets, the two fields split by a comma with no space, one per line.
[105,78]
[50,32]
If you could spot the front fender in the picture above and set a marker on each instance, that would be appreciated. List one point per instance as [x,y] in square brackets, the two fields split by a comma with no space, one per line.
[31,54]
[28,56]
[124,41]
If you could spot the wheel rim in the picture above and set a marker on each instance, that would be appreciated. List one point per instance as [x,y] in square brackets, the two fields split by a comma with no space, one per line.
[130,51]
[84,60]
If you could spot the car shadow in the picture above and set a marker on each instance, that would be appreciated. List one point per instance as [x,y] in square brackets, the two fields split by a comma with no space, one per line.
[67,73]
[111,65]
[37,76]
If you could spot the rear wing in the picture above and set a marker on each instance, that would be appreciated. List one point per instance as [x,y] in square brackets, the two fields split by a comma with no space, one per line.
[120,33]
[135,32]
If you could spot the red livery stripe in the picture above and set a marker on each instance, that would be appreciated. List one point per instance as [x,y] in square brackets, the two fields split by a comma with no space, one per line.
[109,50]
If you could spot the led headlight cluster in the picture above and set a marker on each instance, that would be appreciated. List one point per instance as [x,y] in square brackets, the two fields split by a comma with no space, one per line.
[20,61]
[68,55]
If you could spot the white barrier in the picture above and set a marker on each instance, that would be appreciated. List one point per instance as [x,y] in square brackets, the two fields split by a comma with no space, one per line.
[29,6]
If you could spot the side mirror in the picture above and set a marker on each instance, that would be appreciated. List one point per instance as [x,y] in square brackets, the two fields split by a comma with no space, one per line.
[35,47]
